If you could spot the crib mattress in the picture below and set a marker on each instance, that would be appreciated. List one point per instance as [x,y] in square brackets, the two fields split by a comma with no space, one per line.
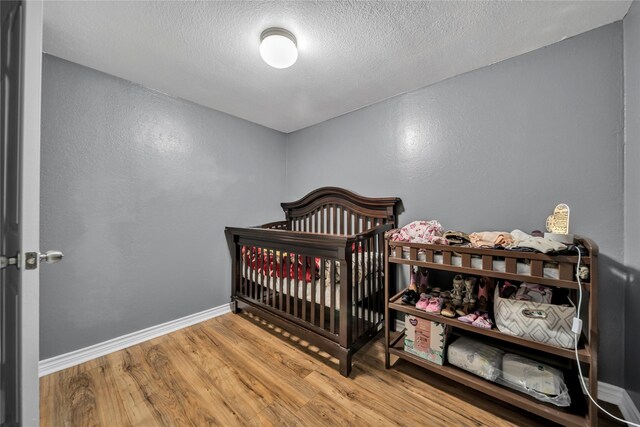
[305,288]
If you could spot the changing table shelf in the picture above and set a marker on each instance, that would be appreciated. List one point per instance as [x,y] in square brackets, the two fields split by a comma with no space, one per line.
[396,304]
[478,384]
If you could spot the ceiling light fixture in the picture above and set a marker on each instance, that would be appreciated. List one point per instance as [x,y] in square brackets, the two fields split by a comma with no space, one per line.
[278,47]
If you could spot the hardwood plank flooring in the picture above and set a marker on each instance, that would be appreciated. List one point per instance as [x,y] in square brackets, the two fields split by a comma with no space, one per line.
[237,370]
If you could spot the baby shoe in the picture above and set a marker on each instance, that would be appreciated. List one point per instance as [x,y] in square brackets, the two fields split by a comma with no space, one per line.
[485,286]
[434,306]
[464,309]
[410,297]
[483,321]
[469,318]
[469,284]
[413,281]
[424,301]
[448,310]
[422,276]
[458,282]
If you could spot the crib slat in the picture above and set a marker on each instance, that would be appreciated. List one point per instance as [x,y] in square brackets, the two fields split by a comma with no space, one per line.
[265,276]
[305,288]
[332,278]
[380,295]
[245,271]
[323,293]
[376,284]
[255,276]
[322,220]
[369,281]
[287,276]
[363,287]
[295,287]
[251,270]
[349,225]
[281,264]
[315,219]
[357,272]
[335,219]
[313,291]
[261,296]
[260,281]
[273,289]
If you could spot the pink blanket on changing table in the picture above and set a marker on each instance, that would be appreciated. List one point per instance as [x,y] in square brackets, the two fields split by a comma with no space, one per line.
[421,232]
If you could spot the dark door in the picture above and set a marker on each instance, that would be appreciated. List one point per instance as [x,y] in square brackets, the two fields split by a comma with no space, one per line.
[11,37]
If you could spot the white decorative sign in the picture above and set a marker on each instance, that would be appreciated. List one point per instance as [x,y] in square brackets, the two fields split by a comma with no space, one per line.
[558,222]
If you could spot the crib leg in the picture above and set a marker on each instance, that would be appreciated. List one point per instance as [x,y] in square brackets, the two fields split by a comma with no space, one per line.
[234,307]
[345,363]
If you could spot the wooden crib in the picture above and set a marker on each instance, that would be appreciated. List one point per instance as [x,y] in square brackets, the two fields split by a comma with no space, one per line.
[320,273]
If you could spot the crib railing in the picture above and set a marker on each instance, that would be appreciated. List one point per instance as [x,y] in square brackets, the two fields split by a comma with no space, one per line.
[330,284]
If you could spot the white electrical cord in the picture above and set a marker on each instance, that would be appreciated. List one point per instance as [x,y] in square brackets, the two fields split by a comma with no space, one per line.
[577,329]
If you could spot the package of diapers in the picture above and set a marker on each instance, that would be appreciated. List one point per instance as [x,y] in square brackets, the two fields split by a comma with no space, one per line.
[476,357]
[534,378]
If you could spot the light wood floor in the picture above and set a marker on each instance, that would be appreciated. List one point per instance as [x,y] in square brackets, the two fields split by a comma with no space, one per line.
[230,371]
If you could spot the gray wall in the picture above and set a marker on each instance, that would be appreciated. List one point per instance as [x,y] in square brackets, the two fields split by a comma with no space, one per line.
[632,198]
[137,187]
[496,148]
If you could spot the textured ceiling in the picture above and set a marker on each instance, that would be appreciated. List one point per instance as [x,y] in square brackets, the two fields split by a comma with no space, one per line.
[352,54]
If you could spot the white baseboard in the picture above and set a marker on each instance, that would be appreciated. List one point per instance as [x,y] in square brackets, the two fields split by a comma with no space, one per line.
[617,396]
[67,360]
[629,409]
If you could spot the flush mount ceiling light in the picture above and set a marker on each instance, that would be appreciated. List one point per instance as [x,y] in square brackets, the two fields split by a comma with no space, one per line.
[278,47]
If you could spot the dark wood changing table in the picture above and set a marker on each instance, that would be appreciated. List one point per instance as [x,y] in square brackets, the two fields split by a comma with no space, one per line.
[402,253]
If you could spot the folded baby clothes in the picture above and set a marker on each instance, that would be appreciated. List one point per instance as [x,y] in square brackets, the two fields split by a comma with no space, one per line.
[524,240]
[456,237]
[421,232]
[490,238]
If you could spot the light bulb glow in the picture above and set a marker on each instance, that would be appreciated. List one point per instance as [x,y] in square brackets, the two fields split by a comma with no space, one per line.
[278,48]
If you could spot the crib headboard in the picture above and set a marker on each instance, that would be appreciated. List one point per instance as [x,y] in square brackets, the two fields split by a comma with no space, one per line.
[333,210]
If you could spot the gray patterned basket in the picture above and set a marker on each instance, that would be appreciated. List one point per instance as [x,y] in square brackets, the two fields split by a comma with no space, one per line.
[543,323]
